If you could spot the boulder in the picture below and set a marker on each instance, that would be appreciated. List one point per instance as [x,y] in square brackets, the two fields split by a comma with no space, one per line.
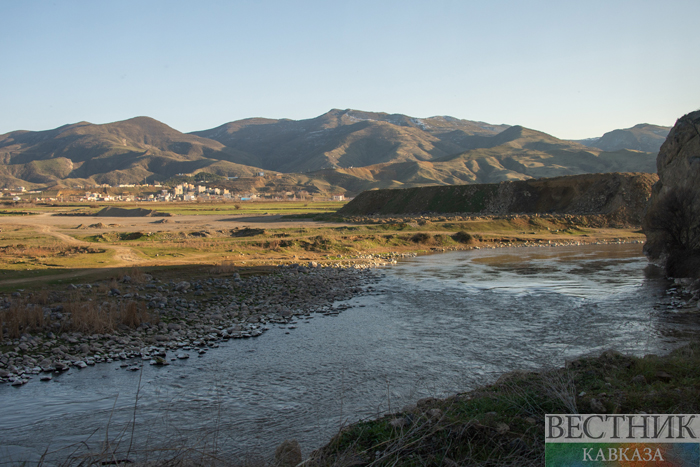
[675,198]
[639,379]
[182,286]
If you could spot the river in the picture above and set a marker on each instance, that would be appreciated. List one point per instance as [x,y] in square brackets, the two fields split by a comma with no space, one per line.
[430,326]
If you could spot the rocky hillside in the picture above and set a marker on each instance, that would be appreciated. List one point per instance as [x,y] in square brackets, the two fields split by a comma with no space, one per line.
[641,137]
[121,152]
[621,197]
[346,138]
[672,223]
[350,151]
[341,151]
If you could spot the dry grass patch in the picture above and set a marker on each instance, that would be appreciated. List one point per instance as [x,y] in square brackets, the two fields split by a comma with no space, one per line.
[77,315]
[90,318]
[226,267]
[20,318]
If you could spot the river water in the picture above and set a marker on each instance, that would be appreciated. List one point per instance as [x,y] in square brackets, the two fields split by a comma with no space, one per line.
[431,326]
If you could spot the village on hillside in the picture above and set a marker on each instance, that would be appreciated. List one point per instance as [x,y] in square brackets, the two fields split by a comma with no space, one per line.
[182,192]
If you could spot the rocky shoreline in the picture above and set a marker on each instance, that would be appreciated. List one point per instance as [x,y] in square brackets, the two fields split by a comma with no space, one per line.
[187,317]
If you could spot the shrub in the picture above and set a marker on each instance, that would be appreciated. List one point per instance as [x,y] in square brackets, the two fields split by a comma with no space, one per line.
[675,218]
[463,237]
[677,214]
[683,263]
[272,245]
[421,237]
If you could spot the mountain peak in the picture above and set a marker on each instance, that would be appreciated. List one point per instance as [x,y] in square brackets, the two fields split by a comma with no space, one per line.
[142,121]
[519,132]
[641,137]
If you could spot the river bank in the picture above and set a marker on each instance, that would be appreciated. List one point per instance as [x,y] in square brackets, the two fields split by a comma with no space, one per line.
[456,319]
[142,316]
[158,321]
[41,249]
[502,424]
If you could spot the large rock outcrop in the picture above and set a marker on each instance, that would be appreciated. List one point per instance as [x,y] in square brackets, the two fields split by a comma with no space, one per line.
[672,221]
[620,198]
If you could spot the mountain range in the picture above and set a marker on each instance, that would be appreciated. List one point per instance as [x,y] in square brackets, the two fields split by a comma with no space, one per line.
[339,151]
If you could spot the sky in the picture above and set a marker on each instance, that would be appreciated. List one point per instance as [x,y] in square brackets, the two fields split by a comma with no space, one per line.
[573,69]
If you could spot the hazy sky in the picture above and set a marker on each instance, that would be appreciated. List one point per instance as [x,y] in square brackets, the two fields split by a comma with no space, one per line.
[573,69]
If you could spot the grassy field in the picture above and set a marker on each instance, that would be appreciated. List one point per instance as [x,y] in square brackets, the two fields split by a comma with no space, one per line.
[185,208]
[45,246]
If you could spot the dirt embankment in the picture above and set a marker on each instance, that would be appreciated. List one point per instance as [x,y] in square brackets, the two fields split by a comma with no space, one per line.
[620,197]
[138,212]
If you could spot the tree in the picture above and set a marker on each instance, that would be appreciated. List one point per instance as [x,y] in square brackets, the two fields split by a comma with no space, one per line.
[677,215]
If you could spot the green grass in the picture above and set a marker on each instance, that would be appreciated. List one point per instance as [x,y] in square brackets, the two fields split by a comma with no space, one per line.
[16,212]
[303,209]
[25,250]
[295,208]
[27,253]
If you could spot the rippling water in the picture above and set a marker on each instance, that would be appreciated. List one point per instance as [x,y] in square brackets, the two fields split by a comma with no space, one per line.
[432,325]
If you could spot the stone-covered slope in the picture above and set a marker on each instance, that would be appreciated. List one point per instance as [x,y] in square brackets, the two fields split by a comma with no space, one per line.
[622,197]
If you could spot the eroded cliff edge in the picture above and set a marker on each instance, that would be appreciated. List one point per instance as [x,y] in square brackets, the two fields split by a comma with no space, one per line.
[620,197]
